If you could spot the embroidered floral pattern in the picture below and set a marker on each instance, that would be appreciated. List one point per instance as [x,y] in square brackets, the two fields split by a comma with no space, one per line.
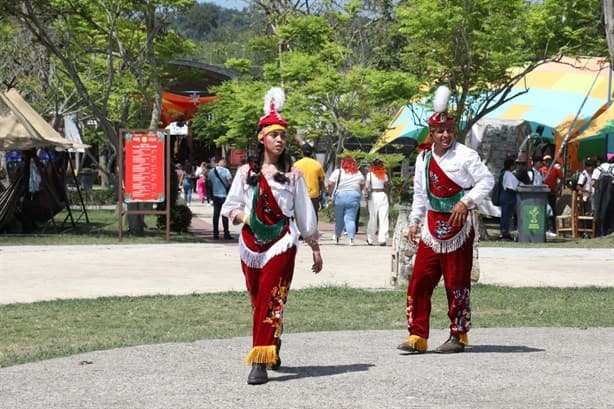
[442,229]
[275,313]
[438,187]
[461,310]
[266,203]
[409,311]
[435,184]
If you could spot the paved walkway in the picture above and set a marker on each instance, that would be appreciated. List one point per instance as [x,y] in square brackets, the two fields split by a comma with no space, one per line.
[505,368]
[34,273]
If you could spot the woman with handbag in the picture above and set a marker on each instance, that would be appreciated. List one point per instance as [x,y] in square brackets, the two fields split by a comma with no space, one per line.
[270,198]
[346,184]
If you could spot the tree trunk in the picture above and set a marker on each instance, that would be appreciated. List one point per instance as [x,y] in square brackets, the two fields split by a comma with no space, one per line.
[608,14]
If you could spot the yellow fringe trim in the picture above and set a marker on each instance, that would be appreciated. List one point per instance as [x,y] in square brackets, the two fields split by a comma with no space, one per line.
[464,339]
[417,343]
[262,355]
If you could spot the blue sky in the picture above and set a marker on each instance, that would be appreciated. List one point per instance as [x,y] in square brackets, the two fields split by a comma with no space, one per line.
[230,4]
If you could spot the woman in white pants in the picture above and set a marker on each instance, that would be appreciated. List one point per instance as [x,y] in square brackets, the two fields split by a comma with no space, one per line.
[377,188]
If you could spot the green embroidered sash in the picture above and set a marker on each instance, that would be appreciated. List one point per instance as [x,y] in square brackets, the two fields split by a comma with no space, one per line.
[264,232]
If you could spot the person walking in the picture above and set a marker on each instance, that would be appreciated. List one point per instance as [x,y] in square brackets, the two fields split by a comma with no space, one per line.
[509,186]
[377,191]
[199,174]
[584,186]
[221,179]
[346,184]
[553,176]
[603,201]
[364,169]
[270,198]
[450,181]
[313,173]
[187,182]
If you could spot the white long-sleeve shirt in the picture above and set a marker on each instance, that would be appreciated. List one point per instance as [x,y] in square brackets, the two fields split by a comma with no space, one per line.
[510,181]
[463,166]
[292,198]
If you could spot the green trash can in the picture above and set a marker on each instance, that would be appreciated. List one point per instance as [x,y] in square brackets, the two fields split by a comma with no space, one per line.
[531,211]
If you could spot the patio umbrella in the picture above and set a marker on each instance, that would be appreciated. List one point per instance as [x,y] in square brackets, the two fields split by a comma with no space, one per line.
[597,138]
[562,96]
[408,123]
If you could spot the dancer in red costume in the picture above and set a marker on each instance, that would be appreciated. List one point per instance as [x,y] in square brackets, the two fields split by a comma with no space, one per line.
[450,181]
[270,198]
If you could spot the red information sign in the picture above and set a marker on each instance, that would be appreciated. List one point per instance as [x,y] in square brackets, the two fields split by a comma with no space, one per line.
[144,170]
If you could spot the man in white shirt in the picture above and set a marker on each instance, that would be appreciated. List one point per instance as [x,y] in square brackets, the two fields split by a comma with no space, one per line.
[536,176]
[584,186]
[450,181]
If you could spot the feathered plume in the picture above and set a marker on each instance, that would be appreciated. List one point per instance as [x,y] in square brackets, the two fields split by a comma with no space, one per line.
[274,98]
[441,98]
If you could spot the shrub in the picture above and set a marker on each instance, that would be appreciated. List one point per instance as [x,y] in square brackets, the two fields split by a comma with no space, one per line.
[93,197]
[181,218]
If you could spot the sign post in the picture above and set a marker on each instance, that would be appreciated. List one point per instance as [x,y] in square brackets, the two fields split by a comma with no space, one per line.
[144,172]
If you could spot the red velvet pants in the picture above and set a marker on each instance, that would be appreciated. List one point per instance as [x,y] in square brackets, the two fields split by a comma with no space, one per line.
[428,269]
[268,288]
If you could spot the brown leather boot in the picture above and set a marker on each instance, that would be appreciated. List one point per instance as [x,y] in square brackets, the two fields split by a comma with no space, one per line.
[258,375]
[451,346]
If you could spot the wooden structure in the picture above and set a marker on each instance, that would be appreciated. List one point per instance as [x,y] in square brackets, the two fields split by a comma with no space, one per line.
[576,223]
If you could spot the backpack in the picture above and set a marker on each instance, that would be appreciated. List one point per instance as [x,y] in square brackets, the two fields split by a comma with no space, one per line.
[495,193]
[573,180]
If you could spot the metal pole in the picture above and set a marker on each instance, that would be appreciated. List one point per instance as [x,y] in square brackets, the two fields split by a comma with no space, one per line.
[120,185]
[571,127]
[168,186]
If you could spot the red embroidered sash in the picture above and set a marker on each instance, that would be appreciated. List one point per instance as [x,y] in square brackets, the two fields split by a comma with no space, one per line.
[440,188]
[268,213]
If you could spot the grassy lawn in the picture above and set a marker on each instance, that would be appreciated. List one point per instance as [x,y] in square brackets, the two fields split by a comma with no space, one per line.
[102,229]
[43,330]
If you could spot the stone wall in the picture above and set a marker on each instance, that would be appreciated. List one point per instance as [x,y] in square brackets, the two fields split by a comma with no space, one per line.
[496,139]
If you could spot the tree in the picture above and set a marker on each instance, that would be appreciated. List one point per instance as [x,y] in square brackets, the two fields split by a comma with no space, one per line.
[333,94]
[568,27]
[109,51]
[608,12]
[467,44]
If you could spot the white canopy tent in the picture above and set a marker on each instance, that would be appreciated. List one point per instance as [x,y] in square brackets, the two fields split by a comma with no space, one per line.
[22,128]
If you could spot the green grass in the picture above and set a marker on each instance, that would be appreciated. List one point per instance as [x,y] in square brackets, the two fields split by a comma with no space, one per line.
[102,229]
[43,330]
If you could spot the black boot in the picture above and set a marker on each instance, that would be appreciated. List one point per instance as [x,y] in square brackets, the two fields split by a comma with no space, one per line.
[277,363]
[258,375]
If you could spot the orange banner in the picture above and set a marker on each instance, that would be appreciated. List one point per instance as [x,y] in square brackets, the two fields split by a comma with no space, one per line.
[180,107]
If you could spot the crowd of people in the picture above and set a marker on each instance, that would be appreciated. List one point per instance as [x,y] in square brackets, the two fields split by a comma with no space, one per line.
[347,187]
[596,194]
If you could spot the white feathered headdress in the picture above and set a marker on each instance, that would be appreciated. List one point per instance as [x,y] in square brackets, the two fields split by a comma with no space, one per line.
[274,101]
[440,106]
